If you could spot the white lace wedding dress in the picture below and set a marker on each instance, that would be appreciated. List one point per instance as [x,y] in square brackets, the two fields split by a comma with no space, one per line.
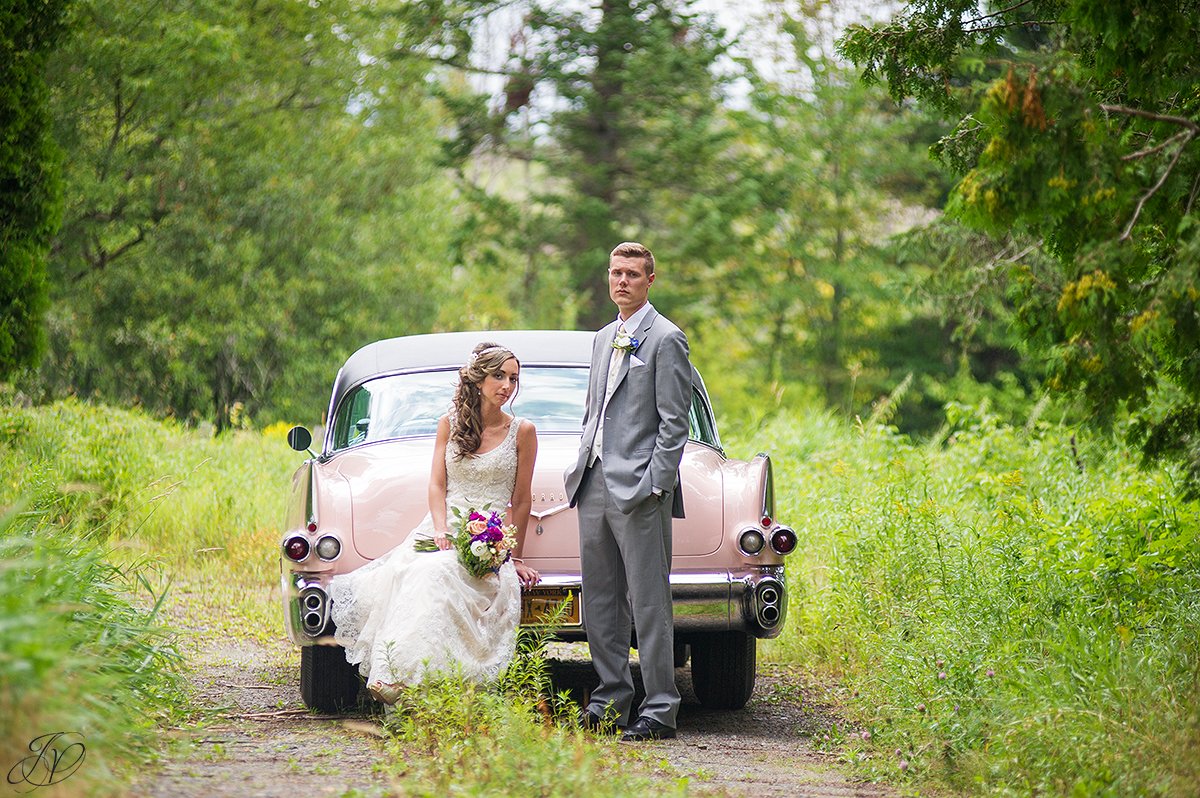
[410,614]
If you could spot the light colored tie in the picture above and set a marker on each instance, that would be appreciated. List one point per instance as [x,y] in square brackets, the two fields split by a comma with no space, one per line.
[614,367]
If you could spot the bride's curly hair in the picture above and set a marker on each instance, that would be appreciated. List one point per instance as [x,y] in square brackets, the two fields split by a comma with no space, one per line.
[466,420]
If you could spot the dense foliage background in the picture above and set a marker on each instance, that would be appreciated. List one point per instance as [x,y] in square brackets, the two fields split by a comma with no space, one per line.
[979,371]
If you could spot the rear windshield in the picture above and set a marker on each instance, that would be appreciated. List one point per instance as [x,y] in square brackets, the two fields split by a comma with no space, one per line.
[408,405]
[405,405]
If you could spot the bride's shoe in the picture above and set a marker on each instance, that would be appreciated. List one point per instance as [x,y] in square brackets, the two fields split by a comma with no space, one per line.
[384,693]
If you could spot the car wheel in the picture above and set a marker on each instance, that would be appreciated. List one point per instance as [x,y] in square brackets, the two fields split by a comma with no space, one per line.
[327,682]
[723,667]
[681,654]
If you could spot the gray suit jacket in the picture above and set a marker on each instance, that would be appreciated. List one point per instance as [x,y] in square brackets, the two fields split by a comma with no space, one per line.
[646,422]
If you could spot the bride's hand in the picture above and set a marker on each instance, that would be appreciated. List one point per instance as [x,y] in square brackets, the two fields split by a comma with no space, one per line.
[527,575]
[440,540]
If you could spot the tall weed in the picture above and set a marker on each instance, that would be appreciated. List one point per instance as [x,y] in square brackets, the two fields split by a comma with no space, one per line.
[83,652]
[1014,610]
[117,508]
[208,506]
[512,736]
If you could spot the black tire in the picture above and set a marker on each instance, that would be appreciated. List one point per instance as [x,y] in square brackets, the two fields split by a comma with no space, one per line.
[723,669]
[327,682]
[680,654]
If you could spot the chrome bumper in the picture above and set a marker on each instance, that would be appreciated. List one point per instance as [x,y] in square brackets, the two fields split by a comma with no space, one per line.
[752,600]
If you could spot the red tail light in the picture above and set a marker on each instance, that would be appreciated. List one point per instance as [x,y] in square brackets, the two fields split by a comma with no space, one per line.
[296,548]
[783,540]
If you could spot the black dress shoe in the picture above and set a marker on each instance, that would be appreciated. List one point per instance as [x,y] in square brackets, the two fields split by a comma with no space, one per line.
[644,729]
[594,723]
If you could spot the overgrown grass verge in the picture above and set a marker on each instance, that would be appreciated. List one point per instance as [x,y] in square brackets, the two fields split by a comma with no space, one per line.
[104,512]
[1014,611]
[453,737]
[83,652]
[207,513]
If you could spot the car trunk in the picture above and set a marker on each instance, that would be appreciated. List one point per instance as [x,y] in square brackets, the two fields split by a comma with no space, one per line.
[388,484]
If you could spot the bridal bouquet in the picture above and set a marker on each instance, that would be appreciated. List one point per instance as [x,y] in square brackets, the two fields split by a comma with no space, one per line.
[483,542]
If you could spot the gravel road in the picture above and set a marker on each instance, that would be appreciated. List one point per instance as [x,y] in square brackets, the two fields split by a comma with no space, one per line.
[262,742]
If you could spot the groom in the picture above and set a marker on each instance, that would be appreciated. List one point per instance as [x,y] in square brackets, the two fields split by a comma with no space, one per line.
[625,483]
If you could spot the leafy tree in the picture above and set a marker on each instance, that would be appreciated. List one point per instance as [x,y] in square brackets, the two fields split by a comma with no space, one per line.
[633,146]
[243,213]
[836,167]
[30,188]
[1084,142]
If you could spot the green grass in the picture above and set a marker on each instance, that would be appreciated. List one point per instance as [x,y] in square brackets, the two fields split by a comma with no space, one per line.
[1008,611]
[83,650]
[166,504]
[1013,611]
[452,737]
[105,511]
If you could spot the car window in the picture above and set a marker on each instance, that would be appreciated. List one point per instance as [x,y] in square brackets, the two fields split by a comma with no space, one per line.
[407,405]
[700,421]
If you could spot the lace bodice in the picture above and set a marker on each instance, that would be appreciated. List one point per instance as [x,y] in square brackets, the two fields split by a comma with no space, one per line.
[485,479]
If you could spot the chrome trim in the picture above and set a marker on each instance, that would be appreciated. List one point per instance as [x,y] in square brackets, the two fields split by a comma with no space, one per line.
[768,504]
[719,601]
[296,588]
[540,514]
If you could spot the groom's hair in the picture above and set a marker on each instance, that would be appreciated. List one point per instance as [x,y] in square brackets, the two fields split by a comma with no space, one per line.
[632,249]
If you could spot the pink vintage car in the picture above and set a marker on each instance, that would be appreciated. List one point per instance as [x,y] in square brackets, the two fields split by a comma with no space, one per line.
[366,489]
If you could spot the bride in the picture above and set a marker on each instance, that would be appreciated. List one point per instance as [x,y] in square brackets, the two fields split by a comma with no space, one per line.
[410,613]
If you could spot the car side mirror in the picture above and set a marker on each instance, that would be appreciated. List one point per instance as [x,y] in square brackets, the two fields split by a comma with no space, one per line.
[299,438]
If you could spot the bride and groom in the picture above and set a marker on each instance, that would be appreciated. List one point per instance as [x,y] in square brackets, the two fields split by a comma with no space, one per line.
[410,613]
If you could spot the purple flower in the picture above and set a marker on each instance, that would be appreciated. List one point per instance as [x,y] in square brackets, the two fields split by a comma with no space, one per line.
[920,707]
[990,673]
[942,675]
[904,764]
[476,517]
[866,735]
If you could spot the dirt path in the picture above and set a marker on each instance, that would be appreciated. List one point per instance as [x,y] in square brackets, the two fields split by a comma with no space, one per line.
[261,742]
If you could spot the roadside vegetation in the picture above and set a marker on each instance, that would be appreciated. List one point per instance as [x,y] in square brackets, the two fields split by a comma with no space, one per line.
[129,539]
[1010,610]
[1003,610]
[105,515]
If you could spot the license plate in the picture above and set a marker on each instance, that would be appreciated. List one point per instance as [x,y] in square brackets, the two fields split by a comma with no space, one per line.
[539,604]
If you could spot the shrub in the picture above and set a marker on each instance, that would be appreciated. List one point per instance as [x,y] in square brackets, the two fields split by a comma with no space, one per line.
[1011,609]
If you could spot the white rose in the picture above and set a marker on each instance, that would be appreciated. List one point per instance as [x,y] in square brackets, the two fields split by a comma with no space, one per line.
[479,549]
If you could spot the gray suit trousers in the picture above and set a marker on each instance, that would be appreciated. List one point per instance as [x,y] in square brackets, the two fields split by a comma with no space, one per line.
[626,560]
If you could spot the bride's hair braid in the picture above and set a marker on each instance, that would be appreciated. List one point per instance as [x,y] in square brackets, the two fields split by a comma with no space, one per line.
[466,420]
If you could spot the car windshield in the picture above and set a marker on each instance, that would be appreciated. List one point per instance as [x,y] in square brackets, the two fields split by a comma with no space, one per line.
[407,405]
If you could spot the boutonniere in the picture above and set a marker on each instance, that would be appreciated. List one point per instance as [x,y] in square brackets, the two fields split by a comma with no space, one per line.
[625,342]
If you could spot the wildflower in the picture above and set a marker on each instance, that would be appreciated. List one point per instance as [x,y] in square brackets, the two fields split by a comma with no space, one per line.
[990,673]
[898,752]
[941,674]
[866,735]
[941,662]
[920,707]
[903,764]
